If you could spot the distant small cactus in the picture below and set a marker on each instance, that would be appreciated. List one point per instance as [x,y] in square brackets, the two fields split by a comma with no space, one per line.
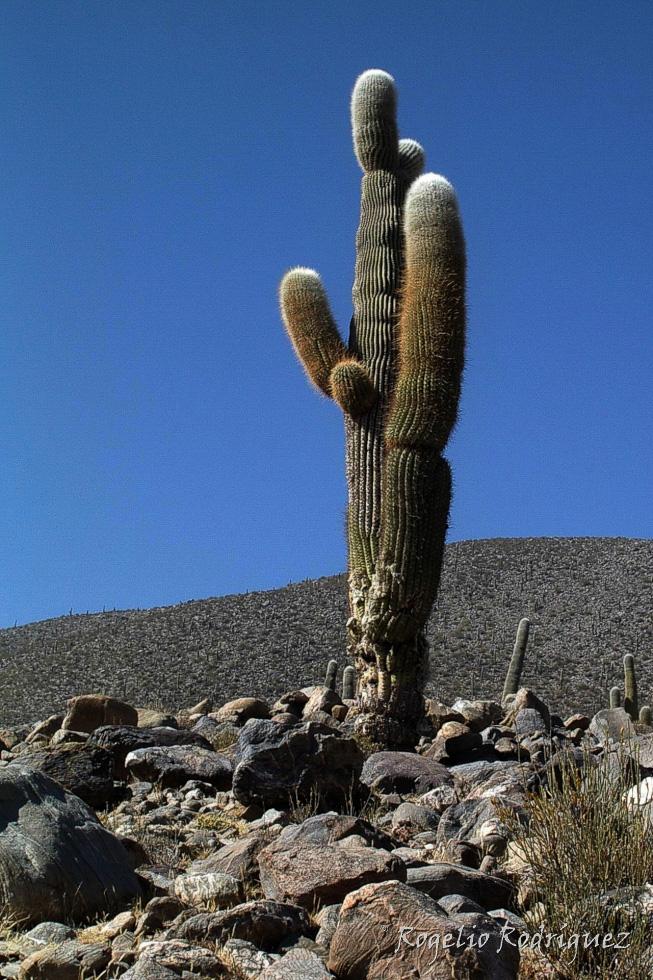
[513,677]
[630,687]
[349,684]
[615,697]
[646,715]
[331,673]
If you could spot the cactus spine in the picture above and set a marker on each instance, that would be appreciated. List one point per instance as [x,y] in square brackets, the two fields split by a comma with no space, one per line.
[645,715]
[330,677]
[398,382]
[615,697]
[516,666]
[348,684]
[630,687]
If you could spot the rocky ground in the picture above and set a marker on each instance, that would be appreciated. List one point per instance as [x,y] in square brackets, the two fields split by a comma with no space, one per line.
[588,600]
[269,840]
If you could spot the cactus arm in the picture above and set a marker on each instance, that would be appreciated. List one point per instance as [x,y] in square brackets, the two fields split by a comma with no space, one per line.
[314,335]
[615,697]
[432,324]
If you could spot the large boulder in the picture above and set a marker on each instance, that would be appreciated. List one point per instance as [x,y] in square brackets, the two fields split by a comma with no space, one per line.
[390,931]
[276,764]
[612,725]
[57,861]
[324,859]
[241,710]
[90,711]
[173,765]
[120,740]
[403,772]
[85,770]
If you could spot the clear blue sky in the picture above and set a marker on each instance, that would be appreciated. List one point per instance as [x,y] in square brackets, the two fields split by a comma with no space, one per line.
[163,162]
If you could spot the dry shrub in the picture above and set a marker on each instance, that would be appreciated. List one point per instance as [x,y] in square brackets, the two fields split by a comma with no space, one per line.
[589,856]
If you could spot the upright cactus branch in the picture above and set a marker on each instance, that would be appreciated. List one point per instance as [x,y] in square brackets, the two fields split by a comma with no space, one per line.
[513,677]
[615,697]
[398,382]
[348,684]
[630,687]
[330,677]
[646,715]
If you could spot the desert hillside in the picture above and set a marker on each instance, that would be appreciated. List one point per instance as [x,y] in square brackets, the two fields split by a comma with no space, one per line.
[589,600]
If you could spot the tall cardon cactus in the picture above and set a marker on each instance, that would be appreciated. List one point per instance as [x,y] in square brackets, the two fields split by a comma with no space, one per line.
[398,382]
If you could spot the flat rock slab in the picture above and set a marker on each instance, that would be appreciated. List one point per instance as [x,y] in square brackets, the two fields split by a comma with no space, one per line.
[173,765]
[57,861]
[403,773]
[378,938]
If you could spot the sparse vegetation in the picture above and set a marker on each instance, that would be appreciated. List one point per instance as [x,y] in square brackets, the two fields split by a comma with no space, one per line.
[588,855]
[583,597]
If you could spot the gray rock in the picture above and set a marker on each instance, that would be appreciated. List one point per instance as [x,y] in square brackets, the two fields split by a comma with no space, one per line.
[478,715]
[264,923]
[220,890]
[49,932]
[120,740]
[409,818]
[294,869]
[529,721]
[453,904]
[173,765]
[85,770]
[246,959]
[297,964]
[68,960]
[403,772]
[56,860]
[438,880]
[327,920]
[454,742]
[277,764]
[612,725]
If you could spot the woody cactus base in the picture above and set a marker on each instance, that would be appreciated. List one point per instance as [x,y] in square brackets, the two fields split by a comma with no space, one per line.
[398,383]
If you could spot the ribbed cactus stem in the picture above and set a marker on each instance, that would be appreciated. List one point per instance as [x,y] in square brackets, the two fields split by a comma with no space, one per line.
[331,673]
[615,697]
[348,684]
[646,715]
[398,381]
[516,666]
[630,687]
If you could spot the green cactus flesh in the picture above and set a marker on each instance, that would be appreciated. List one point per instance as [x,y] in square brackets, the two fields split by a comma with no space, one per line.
[348,684]
[513,677]
[398,382]
[630,687]
[615,697]
[330,677]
